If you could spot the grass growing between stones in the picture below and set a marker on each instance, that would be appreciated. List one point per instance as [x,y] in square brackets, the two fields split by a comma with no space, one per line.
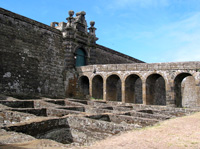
[93,99]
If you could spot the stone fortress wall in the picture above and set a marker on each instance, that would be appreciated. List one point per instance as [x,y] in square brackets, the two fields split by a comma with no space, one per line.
[36,60]
[30,57]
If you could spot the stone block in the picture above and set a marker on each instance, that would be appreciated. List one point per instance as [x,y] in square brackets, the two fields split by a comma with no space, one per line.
[153,66]
[174,66]
[142,66]
[130,67]
[112,67]
[164,66]
[121,67]
[198,66]
[87,68]
[190,65]
[101,68]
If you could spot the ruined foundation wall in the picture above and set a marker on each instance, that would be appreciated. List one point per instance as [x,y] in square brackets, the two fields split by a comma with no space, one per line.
[31,57]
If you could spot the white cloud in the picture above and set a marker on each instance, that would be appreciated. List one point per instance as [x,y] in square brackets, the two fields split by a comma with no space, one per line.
[157,40]
[184,37]
[177,41]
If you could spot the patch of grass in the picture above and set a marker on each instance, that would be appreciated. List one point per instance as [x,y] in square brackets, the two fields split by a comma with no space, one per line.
[92,98]
[194,142]
[169,144]
[150,127]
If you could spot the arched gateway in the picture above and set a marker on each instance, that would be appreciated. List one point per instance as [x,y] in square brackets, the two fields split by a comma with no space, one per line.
[133,89]
[184,89]
[155,90]
[113,88]
[97,87]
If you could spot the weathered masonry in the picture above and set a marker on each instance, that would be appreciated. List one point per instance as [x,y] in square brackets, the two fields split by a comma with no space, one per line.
[171,84]
[40,60]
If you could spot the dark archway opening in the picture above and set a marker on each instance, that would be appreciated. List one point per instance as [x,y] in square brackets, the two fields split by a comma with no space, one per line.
[83,84]
[155,90]
[133,89]
[80,56]
[97,87]
[184,89]
[113,88]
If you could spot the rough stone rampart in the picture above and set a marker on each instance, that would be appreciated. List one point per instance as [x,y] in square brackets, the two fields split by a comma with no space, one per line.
[31,57]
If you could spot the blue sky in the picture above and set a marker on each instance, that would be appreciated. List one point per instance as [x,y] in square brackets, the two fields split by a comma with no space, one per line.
[150,30]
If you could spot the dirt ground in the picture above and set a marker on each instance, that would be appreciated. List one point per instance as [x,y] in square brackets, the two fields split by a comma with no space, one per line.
[175,133]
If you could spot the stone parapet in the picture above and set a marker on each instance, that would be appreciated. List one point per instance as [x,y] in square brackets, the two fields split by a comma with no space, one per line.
[143,66]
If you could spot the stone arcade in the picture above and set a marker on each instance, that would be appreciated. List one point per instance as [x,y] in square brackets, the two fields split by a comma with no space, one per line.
[39,62]
[171,84]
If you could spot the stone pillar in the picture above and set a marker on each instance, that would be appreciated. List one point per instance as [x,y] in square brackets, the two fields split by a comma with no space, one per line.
[90,87]
[197,81]
[170,99]
[123,91]
[198,94]
[144,93]
[104,89]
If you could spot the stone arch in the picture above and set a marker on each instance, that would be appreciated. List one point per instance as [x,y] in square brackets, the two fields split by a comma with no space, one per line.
[80,57]
[114,73]
[184,90]
[155,90]
[83,85]
[133,89]
[113,88]
[97,87]
[134,73]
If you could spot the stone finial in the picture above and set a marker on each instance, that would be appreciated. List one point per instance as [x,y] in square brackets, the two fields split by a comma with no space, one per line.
[80,22]
[71,13]
[92,23]
[92,29]
[82,13]
[70,19]
[80,17]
